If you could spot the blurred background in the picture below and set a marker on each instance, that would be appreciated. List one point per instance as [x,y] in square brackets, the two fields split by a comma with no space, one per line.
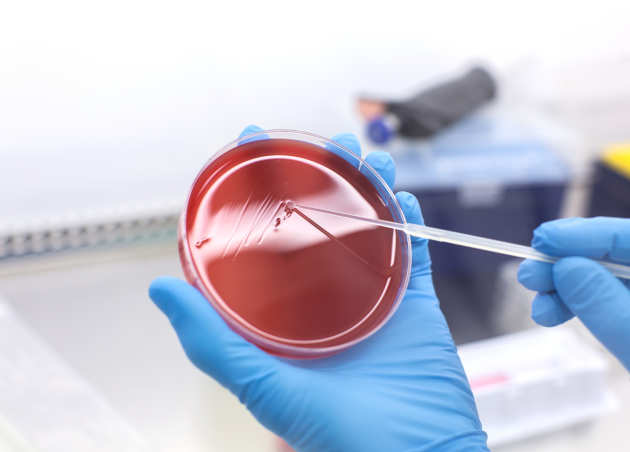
[108,110]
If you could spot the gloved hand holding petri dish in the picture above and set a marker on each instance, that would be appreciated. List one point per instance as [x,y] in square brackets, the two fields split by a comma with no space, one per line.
[297,283]
[300,283]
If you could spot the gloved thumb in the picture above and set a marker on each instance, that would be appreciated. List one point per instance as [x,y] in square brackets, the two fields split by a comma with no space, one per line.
[208,341]
[599,299]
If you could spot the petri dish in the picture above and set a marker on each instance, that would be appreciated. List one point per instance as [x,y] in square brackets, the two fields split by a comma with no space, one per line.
[297,284]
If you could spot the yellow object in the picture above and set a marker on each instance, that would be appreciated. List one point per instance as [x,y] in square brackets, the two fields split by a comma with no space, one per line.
[617,156]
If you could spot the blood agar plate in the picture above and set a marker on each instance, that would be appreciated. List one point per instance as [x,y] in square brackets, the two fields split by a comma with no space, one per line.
[296,283]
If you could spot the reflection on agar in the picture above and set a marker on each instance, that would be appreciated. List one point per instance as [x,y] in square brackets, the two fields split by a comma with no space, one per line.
[333,238]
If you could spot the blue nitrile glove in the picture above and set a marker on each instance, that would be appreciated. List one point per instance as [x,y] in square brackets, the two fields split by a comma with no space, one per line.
[579,286]
[402,389]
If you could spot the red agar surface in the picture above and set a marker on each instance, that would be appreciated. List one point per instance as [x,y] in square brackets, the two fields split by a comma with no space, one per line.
[294,276]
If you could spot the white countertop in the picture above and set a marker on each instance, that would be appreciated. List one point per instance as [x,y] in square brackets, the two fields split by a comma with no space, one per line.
[93,309]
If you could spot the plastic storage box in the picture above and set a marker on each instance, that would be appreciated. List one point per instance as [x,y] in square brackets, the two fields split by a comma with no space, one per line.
[485,177]
[523,389]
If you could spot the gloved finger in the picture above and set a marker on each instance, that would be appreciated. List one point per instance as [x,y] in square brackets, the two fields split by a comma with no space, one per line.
[251,130]
[207,340]
[599,299]
[348,148]
[535,275]
[420,260]
[549,310]
[348,141]
[384,165]
[597,238]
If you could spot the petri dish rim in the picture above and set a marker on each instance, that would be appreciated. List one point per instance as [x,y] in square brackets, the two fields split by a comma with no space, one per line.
[242,327]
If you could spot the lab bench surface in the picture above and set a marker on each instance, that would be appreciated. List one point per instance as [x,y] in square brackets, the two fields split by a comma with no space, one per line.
[92,308]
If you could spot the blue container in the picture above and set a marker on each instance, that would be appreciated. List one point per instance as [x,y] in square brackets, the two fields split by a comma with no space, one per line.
[487,178]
